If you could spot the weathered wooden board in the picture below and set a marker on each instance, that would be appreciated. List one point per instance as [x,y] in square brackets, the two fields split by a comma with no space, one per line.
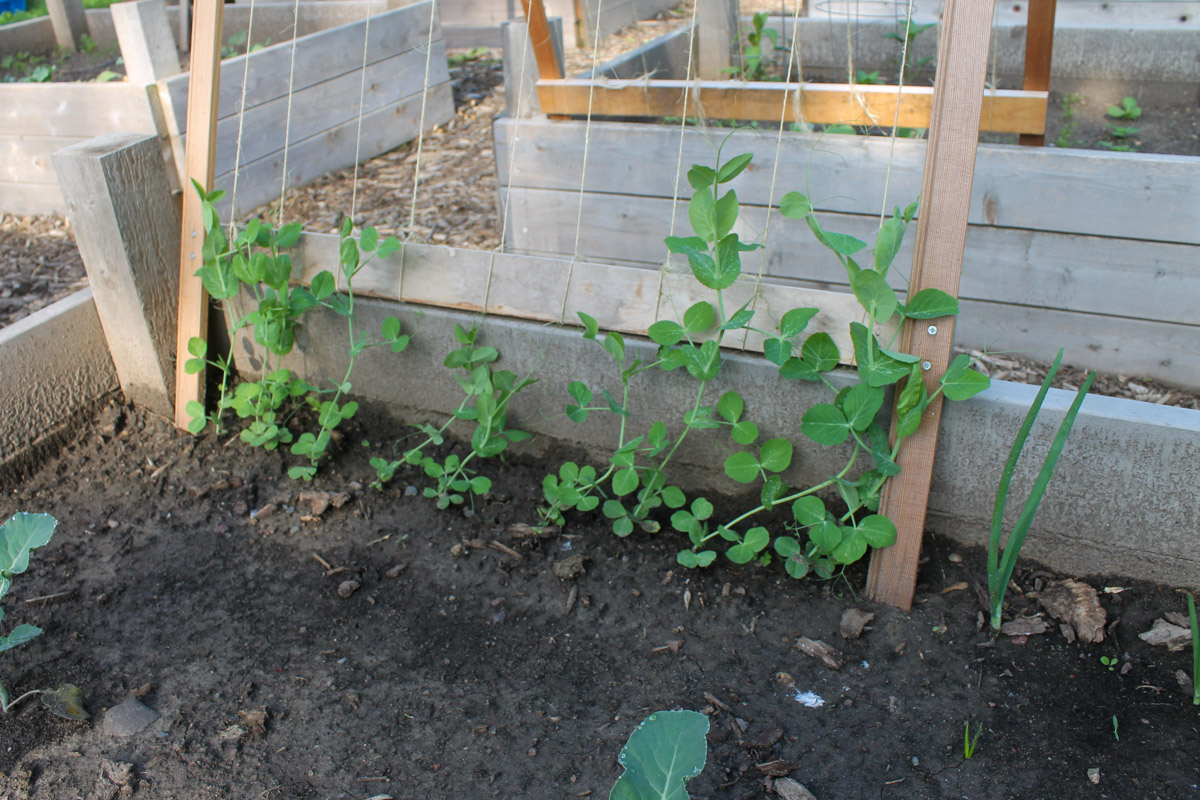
[31,198]
[1004,111]
[326,55]
[74,109]
[625,299]
[1129,195]
[1089,274]
[335,148]
[27,158]
[319,108]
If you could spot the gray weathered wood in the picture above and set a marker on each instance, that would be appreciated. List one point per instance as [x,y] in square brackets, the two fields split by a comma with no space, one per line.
[327,55]
[1134,196]
[31,198]
[520,71]
[334,149]
[1086,274]
[718,20]
[68,20]
[147,44]
[74,109]
[127,228]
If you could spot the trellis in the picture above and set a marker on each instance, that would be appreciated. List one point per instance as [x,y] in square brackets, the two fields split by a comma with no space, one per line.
[630,299]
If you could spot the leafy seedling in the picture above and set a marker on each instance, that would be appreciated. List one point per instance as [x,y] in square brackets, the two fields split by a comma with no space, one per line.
[1116,734]
[1129,109]
[20,536]
[663,753]
[1000,566]
[1109,661]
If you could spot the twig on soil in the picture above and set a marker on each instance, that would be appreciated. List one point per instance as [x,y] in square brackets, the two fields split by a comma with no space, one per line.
[47,597]
[322,562]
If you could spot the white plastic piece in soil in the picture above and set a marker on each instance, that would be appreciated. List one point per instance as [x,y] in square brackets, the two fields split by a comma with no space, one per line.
[809,699]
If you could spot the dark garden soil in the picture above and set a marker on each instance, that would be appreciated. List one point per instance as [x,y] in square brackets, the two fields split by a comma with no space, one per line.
[379,648]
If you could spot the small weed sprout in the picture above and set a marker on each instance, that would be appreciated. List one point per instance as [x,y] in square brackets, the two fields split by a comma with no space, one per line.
[1109,661]
[1116,733]
[1070,107]
[969,741]
[1129,109]
[1195,650]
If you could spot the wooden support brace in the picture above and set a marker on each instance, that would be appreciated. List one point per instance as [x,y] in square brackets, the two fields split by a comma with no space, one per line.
[1003,111]
[69,22]
[127,228]
[1039,48]
[147,44]
[199,165]
[549,64]
[937,262]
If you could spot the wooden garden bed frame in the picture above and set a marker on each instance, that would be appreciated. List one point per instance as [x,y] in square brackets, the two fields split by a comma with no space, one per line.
[1020,111]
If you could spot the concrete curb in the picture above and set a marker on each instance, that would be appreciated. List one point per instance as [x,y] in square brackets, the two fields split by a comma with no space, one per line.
[55,367]
[1122,502]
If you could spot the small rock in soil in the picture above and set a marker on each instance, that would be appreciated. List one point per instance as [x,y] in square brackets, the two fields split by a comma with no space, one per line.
[763,735]
[1025,626]
[120,775]
[1166,634]
[569,568]
[820,651]
[789,789]
[319,502]
[776,769]
[1077,604]
[128,718]
[853,622]
[347,588]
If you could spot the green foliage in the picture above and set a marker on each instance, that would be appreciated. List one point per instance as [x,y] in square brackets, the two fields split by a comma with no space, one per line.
[1109,661]
[20,536]
[1195,650]
[254,270]
[1070,107]
[868,78]
[969,741]
[634,484]
[667,750]
[761,42]
[487,393]
[1000,566]
[911,66]
[474,54]
[1129,109]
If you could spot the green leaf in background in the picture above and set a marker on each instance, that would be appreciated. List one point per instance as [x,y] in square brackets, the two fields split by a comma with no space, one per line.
[930,304]
[795,206]
[961,382]
[733,167]
[19,536]
[661,756]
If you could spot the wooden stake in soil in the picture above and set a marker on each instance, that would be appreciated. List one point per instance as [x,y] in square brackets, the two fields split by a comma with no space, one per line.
[1039,46]
[718,21]
[199,164]
[937,262]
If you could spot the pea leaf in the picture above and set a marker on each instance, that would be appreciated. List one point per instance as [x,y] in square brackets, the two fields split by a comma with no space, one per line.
[875,295]
[820,352]
[840,243]
[961,382]
[808,510]
[795,206]
[861,404]
[776,455]
[930,304]
[825,424]
[877,530]
[730,406]
[701,177]
[743,467]
[698,318]
[733,167]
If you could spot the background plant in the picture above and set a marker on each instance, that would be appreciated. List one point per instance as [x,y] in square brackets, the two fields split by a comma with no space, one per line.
[663,753]
[487,393]
[1001,564]
[755,56]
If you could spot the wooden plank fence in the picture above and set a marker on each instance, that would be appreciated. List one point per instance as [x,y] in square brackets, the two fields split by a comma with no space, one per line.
[1096,253]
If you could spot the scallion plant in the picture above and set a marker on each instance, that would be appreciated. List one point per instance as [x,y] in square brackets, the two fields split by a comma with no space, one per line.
[1001,564]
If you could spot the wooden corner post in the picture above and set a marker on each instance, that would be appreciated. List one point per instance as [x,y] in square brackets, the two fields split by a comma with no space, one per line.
[937,263]
[199,164]
[549,65]
[1039,50]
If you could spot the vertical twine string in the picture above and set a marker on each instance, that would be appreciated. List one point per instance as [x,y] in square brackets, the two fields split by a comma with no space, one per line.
[412,211]
[793,54]
[687,88]
[237,156]
[587,141]
[287,126]
[362,100]
[522,97]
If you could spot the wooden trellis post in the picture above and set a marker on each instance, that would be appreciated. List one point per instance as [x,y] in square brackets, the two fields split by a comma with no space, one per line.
[1039,50]
[937,262]
[199,162]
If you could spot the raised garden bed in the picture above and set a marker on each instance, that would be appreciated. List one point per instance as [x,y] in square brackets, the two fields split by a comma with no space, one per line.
[40,119]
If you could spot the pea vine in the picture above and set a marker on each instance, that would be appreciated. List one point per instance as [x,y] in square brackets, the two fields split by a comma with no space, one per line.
[821,538]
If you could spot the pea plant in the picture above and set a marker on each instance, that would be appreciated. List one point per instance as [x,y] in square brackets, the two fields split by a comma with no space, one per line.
[251,272]
[822,540]
[487,393]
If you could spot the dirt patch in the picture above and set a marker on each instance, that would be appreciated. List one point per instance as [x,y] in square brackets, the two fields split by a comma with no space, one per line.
[462,664]
[39,264]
